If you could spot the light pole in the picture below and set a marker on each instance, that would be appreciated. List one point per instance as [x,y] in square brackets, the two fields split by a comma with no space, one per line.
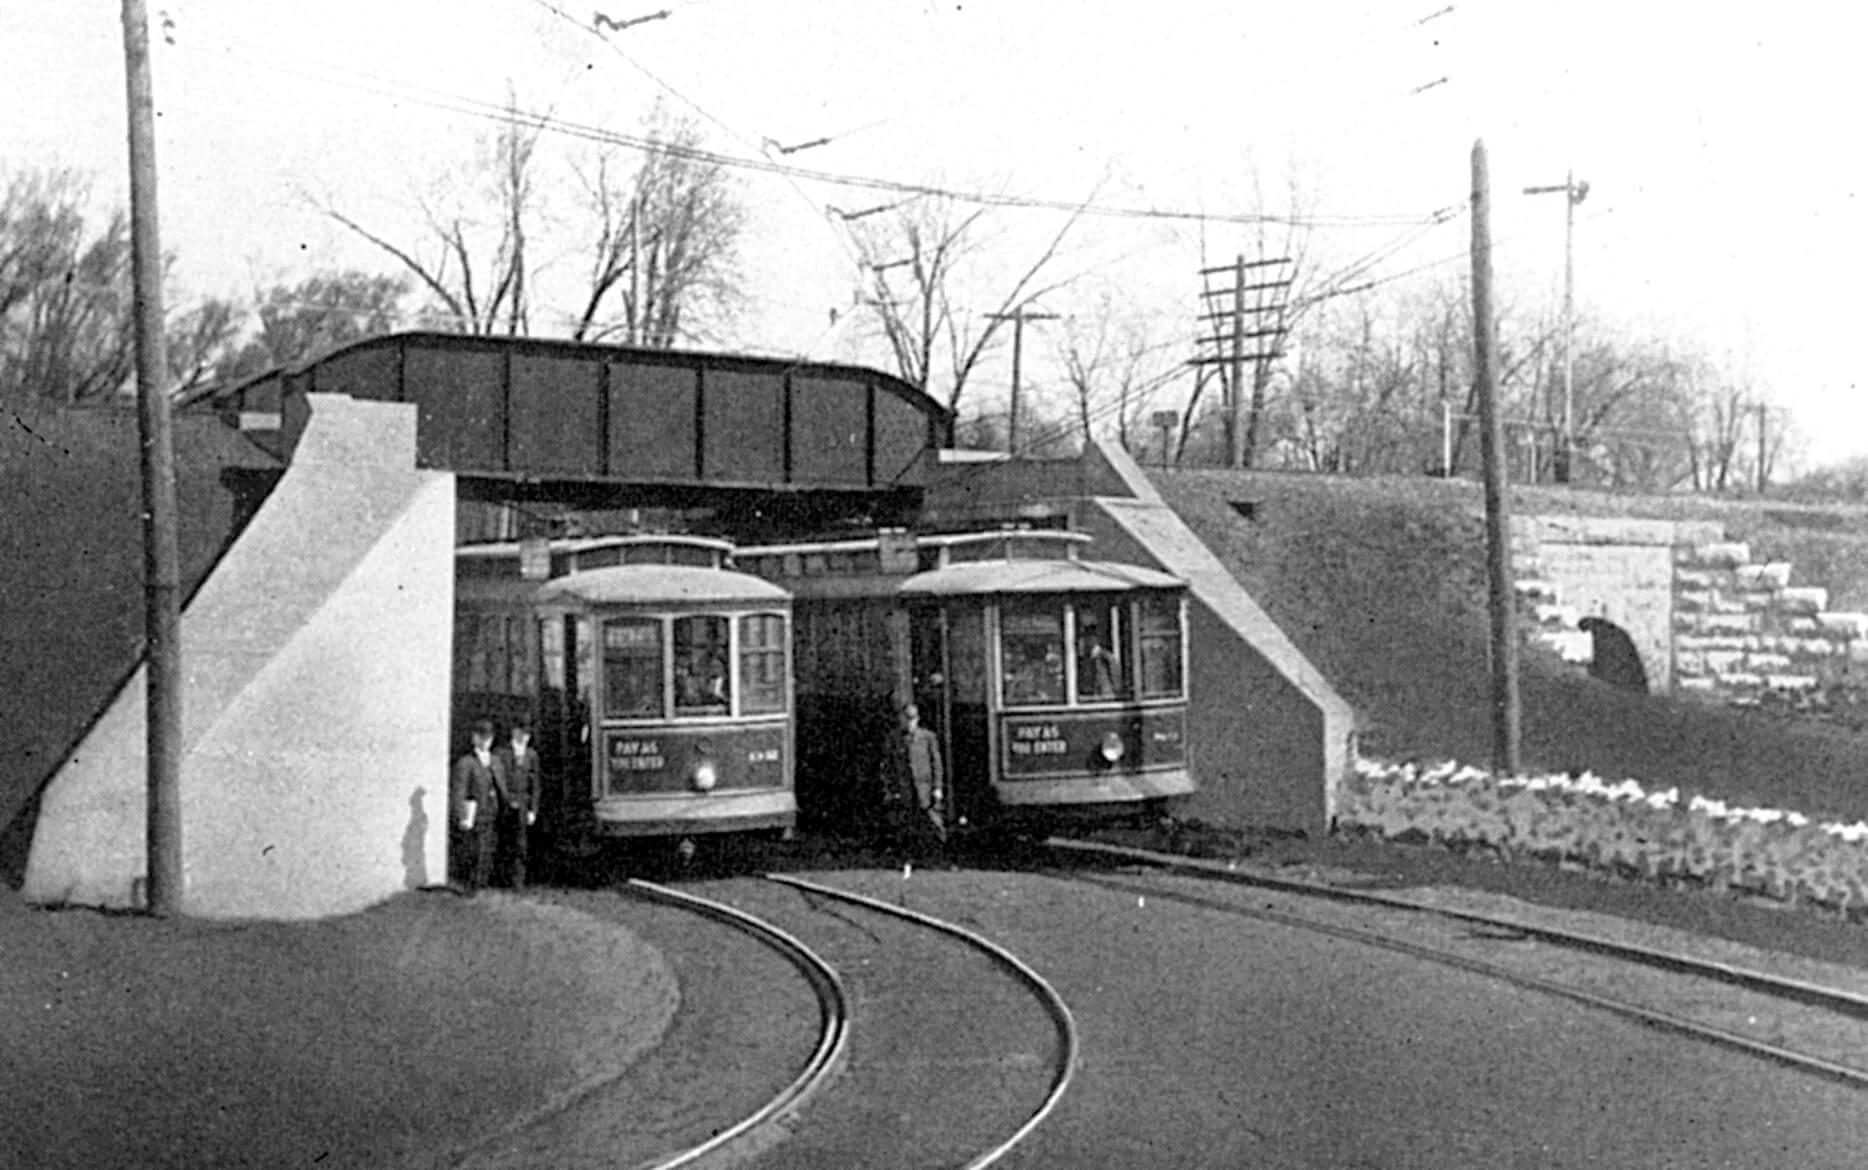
[1574,193]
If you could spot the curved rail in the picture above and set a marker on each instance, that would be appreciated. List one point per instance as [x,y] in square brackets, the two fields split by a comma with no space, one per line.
[832,1000]
[1053,1002]
[1793,990]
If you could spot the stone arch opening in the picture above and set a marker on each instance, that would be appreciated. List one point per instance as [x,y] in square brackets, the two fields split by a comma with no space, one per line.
[1615,659]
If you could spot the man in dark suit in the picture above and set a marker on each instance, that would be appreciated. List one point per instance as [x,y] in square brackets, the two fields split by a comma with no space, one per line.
[474,793]
[517,771]
[913,780]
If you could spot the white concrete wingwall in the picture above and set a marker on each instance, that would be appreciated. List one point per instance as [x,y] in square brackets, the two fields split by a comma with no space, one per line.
[1273,741]
[316,667]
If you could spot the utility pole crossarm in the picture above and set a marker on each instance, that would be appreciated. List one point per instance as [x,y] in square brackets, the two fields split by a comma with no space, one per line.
[1244,264]
[1248,333]
[1226,292]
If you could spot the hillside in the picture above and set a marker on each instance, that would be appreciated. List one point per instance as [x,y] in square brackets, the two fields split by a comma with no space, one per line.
[1382,583]
[71,570]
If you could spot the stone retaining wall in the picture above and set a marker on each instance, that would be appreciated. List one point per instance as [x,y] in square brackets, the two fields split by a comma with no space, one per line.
[1706,619]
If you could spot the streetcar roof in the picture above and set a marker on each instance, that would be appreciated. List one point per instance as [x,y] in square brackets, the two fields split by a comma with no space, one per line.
[1065,536]
[658,584]
[581,544]
[1036,577]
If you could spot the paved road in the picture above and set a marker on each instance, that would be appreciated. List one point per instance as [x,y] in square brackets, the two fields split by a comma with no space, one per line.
[1212,1041]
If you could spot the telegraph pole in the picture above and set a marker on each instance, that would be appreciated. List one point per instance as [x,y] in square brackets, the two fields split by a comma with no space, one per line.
[1573,193]
[1763,450]
[161,563]
[1235,358]
[1017,317]
[1505,710]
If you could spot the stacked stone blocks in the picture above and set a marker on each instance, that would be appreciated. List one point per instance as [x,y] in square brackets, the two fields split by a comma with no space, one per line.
[1738,630]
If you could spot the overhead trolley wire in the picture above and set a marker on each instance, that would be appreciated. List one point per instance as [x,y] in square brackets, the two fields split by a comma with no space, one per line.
[448,102]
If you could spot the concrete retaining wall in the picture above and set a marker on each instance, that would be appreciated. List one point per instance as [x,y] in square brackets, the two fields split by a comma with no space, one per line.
[315,700]
[1273,742]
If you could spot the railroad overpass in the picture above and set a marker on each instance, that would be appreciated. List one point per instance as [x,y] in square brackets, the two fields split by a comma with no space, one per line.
[318,633]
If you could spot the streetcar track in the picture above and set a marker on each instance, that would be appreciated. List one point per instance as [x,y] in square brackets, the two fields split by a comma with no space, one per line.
[1492,928]
[1832,999]
[1069,1039]
[833,1042]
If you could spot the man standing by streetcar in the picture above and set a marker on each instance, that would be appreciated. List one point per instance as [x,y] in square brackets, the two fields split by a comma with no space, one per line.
[913,778]
[518,776]
[475,792]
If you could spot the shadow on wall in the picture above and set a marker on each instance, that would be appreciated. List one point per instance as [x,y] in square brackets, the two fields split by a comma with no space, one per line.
[415,842]
[1615,661]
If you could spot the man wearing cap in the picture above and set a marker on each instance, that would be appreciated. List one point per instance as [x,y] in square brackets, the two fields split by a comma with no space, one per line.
[474,791]
[517,773]
[913,777]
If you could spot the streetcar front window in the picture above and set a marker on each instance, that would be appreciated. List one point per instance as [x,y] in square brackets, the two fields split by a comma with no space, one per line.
[632,667]
[1160,646]
[1031,653]
[1099,652]
[762,663]
[702,686]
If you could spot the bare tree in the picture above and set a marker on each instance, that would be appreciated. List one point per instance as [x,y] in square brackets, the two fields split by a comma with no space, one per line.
[314,316]
[64,292]
[665,258]
[475,266]
[1106,357]
[935,243]
[199,341]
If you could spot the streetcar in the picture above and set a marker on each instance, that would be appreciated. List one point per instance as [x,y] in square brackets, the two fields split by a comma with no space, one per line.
[1056,685]
[657,680]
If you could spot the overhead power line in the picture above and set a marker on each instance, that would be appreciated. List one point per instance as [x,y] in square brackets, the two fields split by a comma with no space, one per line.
[487,111]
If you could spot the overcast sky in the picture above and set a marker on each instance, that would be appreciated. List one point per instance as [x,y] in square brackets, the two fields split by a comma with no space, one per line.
[1719,142]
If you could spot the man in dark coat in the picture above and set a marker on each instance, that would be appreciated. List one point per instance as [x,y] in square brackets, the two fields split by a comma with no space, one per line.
[474,789]
[913,778]
[517,769]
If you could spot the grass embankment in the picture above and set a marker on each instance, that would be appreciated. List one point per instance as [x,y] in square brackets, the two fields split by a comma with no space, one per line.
[1381,582]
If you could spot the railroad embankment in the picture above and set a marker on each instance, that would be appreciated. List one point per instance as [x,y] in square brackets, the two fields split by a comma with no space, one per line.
[1381,583]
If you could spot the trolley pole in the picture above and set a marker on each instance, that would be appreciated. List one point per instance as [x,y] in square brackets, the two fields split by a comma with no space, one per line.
[1505,709]
[161,563]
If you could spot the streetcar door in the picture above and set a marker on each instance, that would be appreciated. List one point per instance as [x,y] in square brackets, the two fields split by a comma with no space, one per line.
[956,690]
[927,641]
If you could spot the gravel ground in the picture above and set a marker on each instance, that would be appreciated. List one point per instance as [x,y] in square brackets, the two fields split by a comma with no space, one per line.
[402,1036]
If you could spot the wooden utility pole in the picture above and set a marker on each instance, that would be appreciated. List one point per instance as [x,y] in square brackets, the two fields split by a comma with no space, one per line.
[1235,404]
[1017,317]
[1233,361]
[1764,465]
[1505,710]
[1563,461]
[161,563]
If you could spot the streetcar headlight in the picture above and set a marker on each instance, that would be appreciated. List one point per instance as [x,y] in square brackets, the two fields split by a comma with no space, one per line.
[1112,748]
[704,776]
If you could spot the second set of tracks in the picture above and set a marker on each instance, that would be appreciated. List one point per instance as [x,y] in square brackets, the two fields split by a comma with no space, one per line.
[1807,1026]
[917,1082]
[944,1049]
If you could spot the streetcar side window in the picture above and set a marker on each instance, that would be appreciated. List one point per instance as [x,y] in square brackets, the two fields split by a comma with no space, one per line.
[1031,653]
[1099,651]
[1160,645]
[632,667]
[762,663]
[551,653]
[702,685]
